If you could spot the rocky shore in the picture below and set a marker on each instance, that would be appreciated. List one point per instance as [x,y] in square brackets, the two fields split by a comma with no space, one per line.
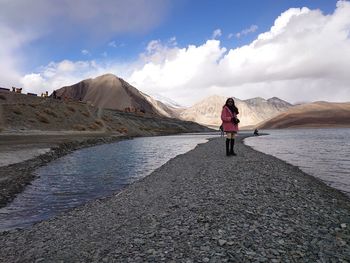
[15,177]
[199,207]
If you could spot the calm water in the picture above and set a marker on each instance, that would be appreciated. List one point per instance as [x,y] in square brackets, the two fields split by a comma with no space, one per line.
[92,173]
[323,153]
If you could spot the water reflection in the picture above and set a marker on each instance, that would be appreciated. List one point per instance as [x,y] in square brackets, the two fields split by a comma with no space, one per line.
[323,153]
[92,173]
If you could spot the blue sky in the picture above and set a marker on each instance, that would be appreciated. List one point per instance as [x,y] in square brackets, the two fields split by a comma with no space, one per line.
[190,21]
[55,43]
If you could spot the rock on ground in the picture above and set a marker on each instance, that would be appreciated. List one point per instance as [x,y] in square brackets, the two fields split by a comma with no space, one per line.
[199,207]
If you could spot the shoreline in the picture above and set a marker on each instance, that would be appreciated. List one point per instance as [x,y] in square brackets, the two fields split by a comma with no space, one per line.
[317,180]
[252,207]
[345,193]
[15,177]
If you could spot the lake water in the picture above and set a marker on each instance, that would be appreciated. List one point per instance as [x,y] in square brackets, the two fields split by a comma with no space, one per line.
[322,153]
[102,170]
[92,173]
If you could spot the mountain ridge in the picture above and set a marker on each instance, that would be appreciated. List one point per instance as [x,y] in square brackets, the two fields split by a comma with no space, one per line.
[109,91]
[252,111]
[311,115]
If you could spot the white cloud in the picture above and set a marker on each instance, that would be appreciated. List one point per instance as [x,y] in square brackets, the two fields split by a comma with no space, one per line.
[33,82]
[304,56]
[112,44]
[229,36]
[153,45]
[85,52]
[22,22]
[216,33]
[11,55]
[172,41]
[180,67]
[56,75]
[246,31]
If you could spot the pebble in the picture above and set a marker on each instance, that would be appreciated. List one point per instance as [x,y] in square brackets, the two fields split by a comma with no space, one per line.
[221,242]
[199,207]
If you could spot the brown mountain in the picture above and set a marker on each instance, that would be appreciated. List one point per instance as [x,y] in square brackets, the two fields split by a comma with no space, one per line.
[317,114]
[110,92]
[253,111]
[21,113]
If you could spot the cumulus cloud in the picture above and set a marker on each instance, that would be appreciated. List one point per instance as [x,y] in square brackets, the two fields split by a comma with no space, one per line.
[56,75]
[305,56]
[246,31]
[180,67]
[217,33]
[11,55]
[22,22]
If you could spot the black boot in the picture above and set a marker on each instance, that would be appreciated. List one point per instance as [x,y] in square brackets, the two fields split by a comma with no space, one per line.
[232,144]
[227,147]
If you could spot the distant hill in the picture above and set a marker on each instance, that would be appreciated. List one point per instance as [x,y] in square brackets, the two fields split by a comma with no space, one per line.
[252,111]
[317,114]
[108,91]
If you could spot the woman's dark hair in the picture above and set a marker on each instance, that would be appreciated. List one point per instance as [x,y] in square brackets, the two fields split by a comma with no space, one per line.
[232,107]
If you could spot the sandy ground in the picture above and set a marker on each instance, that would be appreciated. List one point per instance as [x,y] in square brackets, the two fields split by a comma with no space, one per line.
[199,207]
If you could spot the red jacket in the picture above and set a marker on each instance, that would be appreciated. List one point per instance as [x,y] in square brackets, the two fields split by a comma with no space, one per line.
[226,117]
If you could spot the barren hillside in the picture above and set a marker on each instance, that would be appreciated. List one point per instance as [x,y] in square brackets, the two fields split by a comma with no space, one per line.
[317,114]
[19,112]
[108,91]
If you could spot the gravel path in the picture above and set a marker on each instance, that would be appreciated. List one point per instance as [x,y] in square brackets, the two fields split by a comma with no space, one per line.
[199,207]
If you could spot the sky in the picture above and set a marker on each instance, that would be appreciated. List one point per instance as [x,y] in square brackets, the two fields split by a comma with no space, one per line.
[184,50]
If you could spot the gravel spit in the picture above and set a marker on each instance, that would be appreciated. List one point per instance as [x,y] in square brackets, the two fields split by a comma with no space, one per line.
[199,207]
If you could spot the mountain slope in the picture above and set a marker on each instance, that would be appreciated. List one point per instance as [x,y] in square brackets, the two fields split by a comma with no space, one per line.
[317,114]
[20,113]
[252,111]
[162,108]
[108,91]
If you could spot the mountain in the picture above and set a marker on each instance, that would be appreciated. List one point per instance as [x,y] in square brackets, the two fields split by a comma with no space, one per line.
[161,108]
[166,101]
[316,114]
[108,91]
[251,111]
[22,114]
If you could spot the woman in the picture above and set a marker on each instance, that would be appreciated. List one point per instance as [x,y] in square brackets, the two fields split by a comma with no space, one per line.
[230,124]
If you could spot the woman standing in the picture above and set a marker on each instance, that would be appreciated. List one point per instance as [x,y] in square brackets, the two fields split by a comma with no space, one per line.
[230,124]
